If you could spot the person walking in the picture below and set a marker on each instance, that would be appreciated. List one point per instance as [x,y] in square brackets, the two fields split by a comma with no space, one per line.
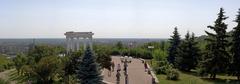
[118,75]
[145,66]
[113,66]
[118,67]
[126,79]
[125,67]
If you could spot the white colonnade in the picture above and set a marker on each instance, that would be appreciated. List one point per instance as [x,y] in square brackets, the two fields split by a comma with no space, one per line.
[73,40]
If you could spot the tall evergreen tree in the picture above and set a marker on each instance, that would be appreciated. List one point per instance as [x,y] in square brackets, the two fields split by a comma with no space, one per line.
[217,58]
[188,52]
[236,47]
[174,43]
[88,71]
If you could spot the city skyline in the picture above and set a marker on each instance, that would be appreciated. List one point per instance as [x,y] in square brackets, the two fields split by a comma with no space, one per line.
[110,19]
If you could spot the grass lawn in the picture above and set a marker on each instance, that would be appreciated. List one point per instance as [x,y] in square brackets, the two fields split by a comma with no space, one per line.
[192,78]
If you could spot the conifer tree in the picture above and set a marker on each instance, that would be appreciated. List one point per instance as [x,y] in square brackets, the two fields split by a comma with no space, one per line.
[88,71]
[217,58]
[236,47]
[188,52]
[174,43]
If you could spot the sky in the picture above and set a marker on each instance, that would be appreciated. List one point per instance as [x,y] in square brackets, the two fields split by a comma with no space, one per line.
[111,18]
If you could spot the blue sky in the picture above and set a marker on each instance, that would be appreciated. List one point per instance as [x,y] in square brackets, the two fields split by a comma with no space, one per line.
[110,18]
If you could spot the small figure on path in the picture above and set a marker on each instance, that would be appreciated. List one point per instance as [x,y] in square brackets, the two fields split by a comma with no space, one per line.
[125,67]
[113,66]
[118,75]
[118,67]
[145,66]
[153,80]
[126,79]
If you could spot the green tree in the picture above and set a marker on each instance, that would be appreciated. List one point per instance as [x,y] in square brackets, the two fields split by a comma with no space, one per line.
[217,58]
[45,70]
[119,45]
[159,55]
[236,47]
[20,61]
[88,71]
[42,65]
[174,43]
[40,51]
[188,52]
[71,62]
[103,56]
[162,45]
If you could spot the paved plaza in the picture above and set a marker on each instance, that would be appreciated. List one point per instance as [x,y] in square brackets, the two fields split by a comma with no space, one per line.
[136,73]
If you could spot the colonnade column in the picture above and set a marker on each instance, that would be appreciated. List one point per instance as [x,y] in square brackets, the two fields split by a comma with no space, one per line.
[68,44]
[90,43]
[72,44]
[78,42]
[84,43]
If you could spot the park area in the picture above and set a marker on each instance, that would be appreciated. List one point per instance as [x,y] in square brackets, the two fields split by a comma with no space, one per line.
[136,73]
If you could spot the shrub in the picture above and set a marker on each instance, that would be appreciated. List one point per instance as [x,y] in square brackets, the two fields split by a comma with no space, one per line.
[115,52]
[159,55]
[201,72]
[162,67]
[172,74]
[4,81]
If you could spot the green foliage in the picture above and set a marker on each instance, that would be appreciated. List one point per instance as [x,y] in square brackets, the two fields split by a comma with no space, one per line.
[217,58]
[119,45]
[163,45]
[159,55]
[162,67]
[88,71]
[103,56]
[43,50]
[115,51]
[172,74]
[145,54]
[41,65]
[174,43]
[5,63]
[188,53]
[45,70]
[70,64]
[20,61]
[201,72]
[4,81]
[235,48]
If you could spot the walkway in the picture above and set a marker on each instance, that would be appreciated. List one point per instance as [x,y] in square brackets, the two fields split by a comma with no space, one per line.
[136,73]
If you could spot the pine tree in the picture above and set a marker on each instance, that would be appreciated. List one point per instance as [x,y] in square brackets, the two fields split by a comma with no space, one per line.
[174,43]
[236,47]
[217,58]
[88,71]
[188,52]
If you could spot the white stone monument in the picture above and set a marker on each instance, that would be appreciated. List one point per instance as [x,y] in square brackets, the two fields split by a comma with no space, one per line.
[73,40]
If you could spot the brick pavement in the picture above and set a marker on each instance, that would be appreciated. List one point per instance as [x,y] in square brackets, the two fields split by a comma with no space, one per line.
[136,73]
